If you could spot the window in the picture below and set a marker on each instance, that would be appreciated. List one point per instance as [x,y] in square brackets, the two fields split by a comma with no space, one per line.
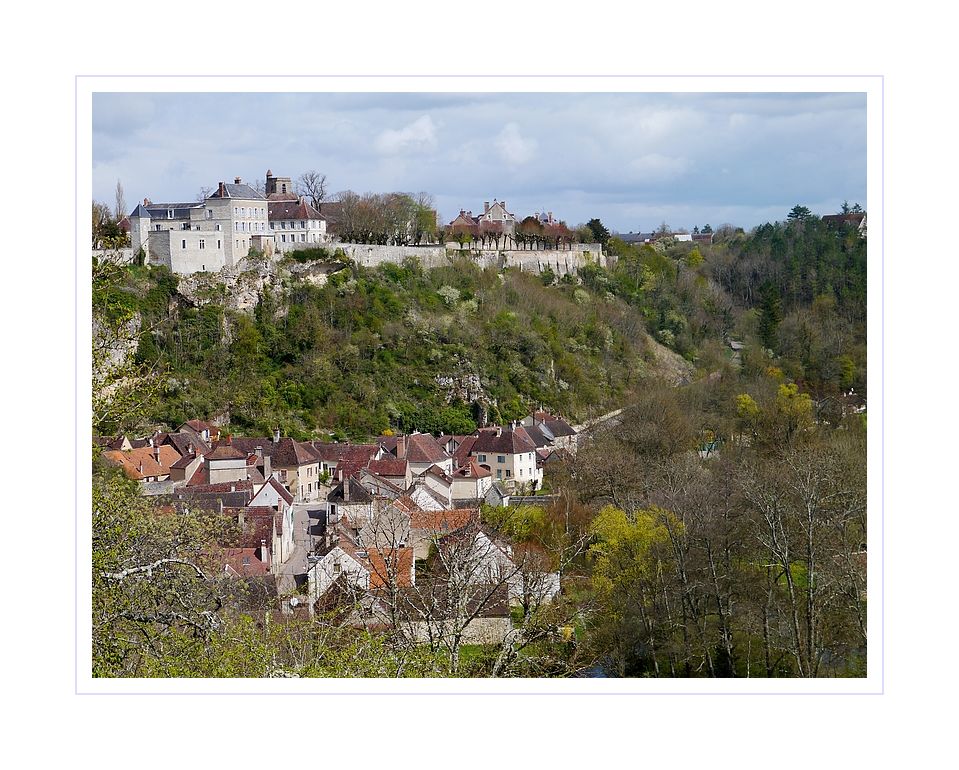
[283,238]
[218,244]
[209,213]
[284,188]
[302,225]
[507,473]
[336,567]
[500,458]
[499,474]
[159,227]
[183,244]
[202,244]
[169,213]
[217,228]
[482,458]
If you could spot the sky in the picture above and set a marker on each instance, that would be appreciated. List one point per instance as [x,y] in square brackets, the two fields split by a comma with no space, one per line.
[634,160]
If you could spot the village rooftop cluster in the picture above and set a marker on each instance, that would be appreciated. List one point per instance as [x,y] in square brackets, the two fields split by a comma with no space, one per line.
[359,525]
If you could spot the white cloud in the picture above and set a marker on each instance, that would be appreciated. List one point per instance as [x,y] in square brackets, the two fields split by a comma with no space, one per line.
[513,147]
[659,168]
[418,136]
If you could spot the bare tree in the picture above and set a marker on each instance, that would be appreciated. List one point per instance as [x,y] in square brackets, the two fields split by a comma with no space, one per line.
[120,204]
[312,184]
[204,193]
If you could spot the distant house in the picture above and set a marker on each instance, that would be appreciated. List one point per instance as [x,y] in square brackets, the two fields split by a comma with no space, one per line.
[556,431]
[295,224]
[420,450]
[349,499]
[471,481]
[146,464]
[508,454]
[300,467]
[855,220]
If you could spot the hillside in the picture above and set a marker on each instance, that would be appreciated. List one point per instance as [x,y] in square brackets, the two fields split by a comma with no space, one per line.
[396,347]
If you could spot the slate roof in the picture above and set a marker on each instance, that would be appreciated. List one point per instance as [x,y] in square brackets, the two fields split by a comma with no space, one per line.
[249,445]
[535,434]
[241,191]
[183,441]
[559,427]
[358,494]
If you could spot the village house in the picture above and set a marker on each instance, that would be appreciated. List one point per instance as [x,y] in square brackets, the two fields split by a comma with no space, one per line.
[471,482]
[556,431]
[294,223]
[299,468]
[509,455]
[146,464]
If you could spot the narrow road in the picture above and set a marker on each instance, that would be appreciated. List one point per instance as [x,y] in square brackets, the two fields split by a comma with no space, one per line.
[597,421]
[303,542]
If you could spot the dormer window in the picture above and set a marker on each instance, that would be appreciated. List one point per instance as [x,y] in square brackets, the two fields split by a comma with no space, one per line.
[169,213]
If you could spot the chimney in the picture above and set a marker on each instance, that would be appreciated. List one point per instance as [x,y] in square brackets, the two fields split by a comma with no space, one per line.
[237,180]
[276,435]
[221,190]
[241,517]
[156,454]
[264,553]
[503,204]
[550,215]
[258,451]
[346,488]
[267,467]
[485,207]
[401,448]
[499,431]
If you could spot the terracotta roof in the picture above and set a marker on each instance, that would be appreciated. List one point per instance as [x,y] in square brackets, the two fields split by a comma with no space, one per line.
[423,448]
[140,463]
[443,521]
[292,208]
[290,452]
[281,490]
[435,470]
[244,562]
[507,442]
[226,452]
[471,470]
[184,462]
[384,563]
[462,453]
[388,467]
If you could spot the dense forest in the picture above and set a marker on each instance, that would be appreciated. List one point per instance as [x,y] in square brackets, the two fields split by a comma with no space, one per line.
[717,530]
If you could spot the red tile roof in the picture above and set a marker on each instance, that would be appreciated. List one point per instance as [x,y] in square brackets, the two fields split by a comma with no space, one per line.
[140,463]
[388,467]
[226,452]
[443,521]
[385,564]
[423,448]
[507,442]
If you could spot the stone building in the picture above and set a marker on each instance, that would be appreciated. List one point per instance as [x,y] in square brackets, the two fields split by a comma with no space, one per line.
[203,235]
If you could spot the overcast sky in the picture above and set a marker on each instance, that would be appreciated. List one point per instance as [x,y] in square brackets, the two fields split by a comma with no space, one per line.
[633,160]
